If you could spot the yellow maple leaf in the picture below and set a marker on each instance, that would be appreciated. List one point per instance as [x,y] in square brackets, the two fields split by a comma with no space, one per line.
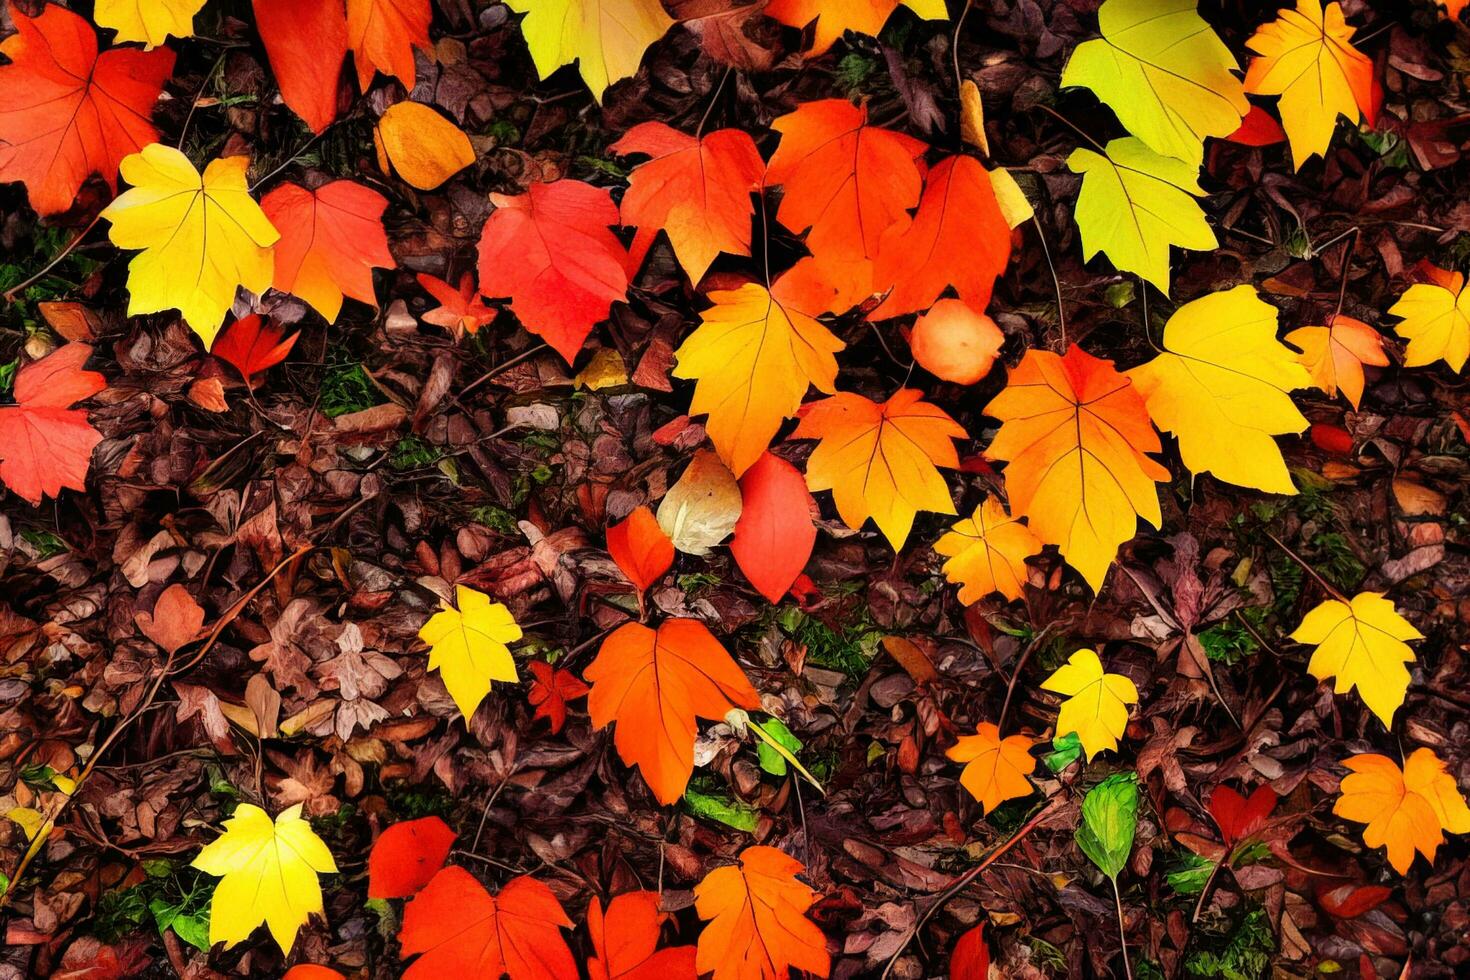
[1222,386]
[1134,204]
[606,38]
[1096,708]
[1436,320]
[753,358]
[995,768]
[1164,72]
[268,873]
[201,237]
[468,646]
[149,21]
[1362,644]
[880,461]
[1334,355]
[1307,58]
[987,552]
[1408,810]
[1074,435]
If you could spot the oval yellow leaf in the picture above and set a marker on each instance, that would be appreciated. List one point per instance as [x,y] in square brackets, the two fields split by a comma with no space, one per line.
[424,148]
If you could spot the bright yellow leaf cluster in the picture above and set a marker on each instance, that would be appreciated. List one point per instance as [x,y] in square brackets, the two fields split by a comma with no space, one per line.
[468,645]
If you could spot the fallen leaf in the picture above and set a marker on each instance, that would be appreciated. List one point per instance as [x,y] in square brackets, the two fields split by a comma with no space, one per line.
[1075,435]
[253,345]
[1436,320]
[269,872]
[757,924]
[150,22]
[551,689]
[1239,818]
[703,507]
[1096,705]
[1408,810]
[176,619]
[995,768]
[625,941]
[640,548]
[423,147]
[835,17]
[970,958]
[1223,387]
[406,856]
[1134,204]
[1362,644]
[753,357]
[46,445]
[955,343]
[382,35]
[957,239]
[468,645]
[1308,59]
[1334,355]
[655,684]
[972,117]
[459,310]
[880,460]
[775,533]
[461,930]
[331,240]
[67,112]
[306,44]
[697,190]
[606,38]
[169,214]
[1164,72]
[987,553]
[551,250]
[846,184]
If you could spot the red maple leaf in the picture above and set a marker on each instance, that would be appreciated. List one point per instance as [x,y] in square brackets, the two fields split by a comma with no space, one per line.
[44,443]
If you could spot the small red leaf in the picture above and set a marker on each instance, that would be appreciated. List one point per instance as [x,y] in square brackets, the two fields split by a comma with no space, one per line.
[1258,128]
[971,957]
[252,345]
[1332,439]
[406,856]
[1238,817]
[551,689]
[311,971]
[45,444]
[641,548]
[774,536]
[1350,901]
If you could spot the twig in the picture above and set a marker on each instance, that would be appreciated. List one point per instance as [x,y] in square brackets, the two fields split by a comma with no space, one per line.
[193,106]
[1326,585]
[502,367]
[1122,928]
[1055,281]
[963,881]
[699,130]
[1005,707]
[11,293]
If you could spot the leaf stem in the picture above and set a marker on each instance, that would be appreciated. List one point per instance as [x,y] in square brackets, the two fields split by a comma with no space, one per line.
[1122,928]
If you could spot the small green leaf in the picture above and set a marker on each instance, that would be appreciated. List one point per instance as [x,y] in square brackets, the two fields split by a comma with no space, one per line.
[1109,820]
[776,731]
[1065,750]
[727,812]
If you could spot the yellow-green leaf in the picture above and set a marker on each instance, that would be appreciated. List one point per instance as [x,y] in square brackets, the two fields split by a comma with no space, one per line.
[1222,386]
[1097,703]
[201,237]
[1363,644]
[1164,72]
[268,873]
[1134,204]
[468,646]
[606,38]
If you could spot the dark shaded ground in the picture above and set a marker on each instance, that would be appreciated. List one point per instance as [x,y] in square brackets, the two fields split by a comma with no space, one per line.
[385,441]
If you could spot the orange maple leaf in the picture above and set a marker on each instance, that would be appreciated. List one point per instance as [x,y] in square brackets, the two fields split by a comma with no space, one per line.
[654,684]
[1334,355]
[846,184]
[879,460]
[1074,433]
[44,443]
[382,35]
[958,237]
[625,941]
[758,928]
[834,17]
[306,44]
[1406,809]
[459,310]
[331,240]
[697,190]
[463,931]
[995,768]
[551,250]
[67,112]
